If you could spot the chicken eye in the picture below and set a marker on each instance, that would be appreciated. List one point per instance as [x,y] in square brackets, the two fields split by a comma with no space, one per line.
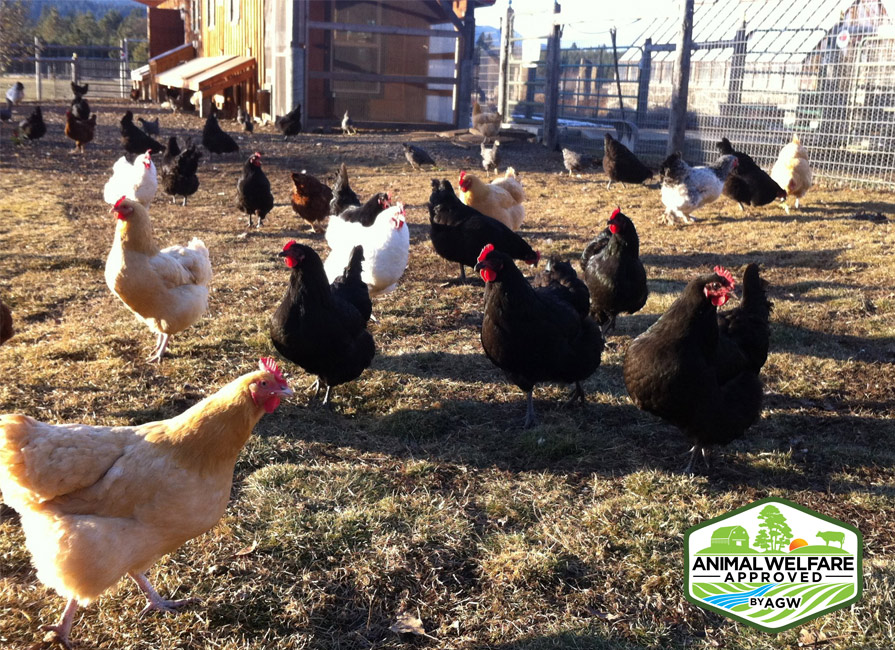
[263,384]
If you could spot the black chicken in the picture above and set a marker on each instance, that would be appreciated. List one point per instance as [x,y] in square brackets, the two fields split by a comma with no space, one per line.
[317,330]
[366,214]
[621,165]
[150,127]
[459,232]
[576,162]
[33,126]
[416,156]
[134,139]
[748,183]
[535,334]
[699,370]
[343,195]
[248,124]
[215,139]
[350,288]
[290,123]
[80,109]
[253,190]
[178,171]
[614,273]
[560,279]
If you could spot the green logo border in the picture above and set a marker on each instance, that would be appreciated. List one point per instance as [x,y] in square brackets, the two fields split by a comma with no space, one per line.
[773,630]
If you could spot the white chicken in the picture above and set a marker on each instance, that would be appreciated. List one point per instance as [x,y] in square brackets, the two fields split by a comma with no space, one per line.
[386,248]
[166,289]
[138,181]
[686,188]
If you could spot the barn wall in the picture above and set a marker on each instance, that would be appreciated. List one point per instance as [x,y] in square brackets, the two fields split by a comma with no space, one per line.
[242,35]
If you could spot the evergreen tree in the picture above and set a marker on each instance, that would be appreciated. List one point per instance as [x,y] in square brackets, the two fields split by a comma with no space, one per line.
[763,540]
[773,521]
[15,35]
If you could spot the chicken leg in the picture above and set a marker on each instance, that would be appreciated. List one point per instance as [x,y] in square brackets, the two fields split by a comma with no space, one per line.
[160,348]
[59,633]
[694,451]
[577,393]
[530,417]
[154,602]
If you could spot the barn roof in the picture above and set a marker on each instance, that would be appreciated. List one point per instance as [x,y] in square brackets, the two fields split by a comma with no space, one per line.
[776,31]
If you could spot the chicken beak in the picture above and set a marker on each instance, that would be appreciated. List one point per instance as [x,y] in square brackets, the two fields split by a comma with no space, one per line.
[479,266]
[285,391]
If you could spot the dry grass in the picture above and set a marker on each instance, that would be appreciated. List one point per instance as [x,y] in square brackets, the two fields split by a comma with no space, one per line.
[420,493]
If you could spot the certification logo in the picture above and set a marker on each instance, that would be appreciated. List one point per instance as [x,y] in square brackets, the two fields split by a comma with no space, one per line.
[773,565]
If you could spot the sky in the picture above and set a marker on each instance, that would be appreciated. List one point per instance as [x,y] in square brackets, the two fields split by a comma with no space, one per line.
[587,21]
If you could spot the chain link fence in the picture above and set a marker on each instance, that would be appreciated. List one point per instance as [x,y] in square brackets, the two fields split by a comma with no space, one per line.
[825,73]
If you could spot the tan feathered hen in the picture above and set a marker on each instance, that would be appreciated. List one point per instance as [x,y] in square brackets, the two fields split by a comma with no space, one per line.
[487,124]
[98,503]
[792,171]
[501,200]
[166,289]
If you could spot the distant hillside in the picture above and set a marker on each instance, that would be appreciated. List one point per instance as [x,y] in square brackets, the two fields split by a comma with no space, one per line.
[98,7]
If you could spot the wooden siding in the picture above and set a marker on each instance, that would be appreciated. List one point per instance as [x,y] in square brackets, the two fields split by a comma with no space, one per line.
[243,36]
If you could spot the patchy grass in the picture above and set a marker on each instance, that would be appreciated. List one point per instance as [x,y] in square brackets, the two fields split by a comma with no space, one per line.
[419,493]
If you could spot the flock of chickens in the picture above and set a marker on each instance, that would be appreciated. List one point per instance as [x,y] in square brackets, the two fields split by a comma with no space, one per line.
[91,506]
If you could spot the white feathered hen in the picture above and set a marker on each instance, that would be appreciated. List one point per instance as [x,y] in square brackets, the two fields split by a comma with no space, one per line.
[386,248]
[137,181]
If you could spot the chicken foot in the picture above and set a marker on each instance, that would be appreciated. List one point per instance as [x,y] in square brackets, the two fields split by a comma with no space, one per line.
[159,350]
[576,394]
[154,602]
[59,633]
[694,451]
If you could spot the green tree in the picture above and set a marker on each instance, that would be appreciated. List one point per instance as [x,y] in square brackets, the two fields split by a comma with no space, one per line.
[763,540]
[773,521]
[52,27]
[15,32]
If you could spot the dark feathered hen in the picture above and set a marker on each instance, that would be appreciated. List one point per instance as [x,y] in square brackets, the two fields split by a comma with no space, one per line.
[535,335]
[215,139]
[33,126]
[416,157]
[6,329]
[614,273]
[621,165]
[290,123]
[699,370]
[748,183]
[79,106]
[310,199]
[459,232]
[81,131]
[317,330]
[351,288]
[178,171]
[343,195]
[560,279]
[576,162]
[134,140]
[253,190]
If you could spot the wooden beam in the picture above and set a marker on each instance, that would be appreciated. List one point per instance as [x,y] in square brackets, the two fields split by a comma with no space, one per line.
[382,29]
[384,78]
[677,121]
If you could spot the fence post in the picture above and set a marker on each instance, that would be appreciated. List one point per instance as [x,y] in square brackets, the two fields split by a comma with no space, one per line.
[737,66]
[37,68]
[646,69]
[618,77]
[551,91]
[125,68]
[506,44]
[677,121]
[75,73]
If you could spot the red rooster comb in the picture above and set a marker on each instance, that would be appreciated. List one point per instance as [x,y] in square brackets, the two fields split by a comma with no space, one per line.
[149,151]
[289,244]
[487,249]
[257,153]
[269,364]
[615,212]
[724,273]
[120,201]
[462,175]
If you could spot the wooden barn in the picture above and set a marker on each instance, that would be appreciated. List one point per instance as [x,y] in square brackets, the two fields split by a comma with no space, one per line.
[387,62]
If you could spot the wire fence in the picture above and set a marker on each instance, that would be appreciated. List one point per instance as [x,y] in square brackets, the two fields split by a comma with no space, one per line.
[106,68]
[830,80]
